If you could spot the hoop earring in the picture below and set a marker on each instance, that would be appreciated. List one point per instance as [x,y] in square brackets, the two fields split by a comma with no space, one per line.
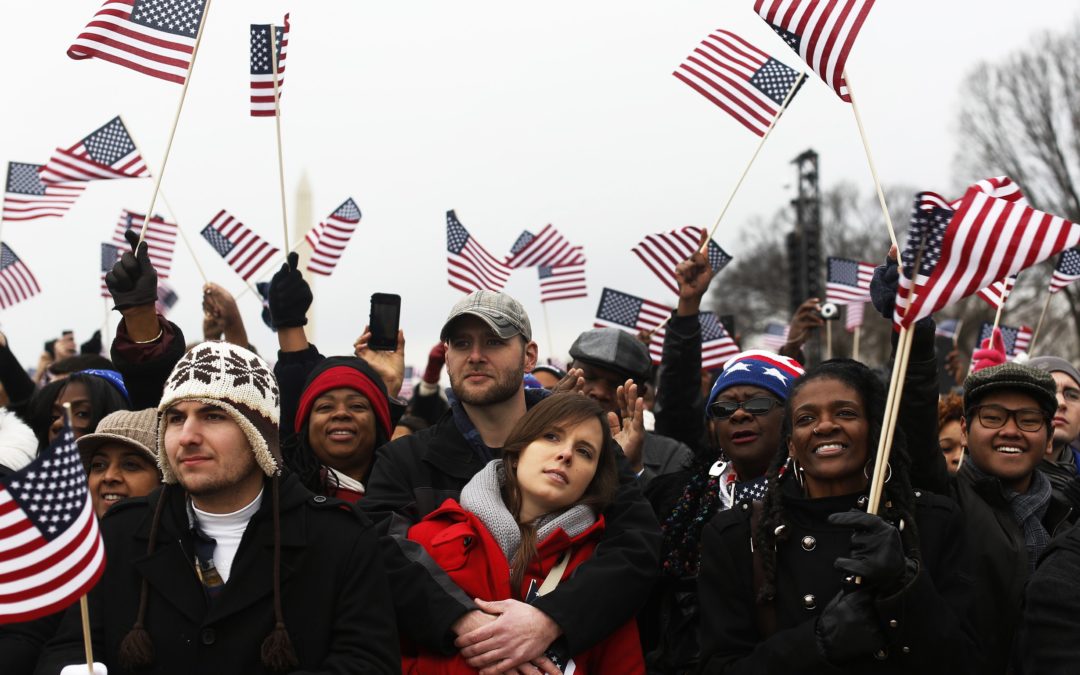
[796,470]
[888,471]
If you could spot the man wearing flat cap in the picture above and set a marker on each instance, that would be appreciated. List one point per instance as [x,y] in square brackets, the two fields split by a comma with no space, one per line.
[608,357]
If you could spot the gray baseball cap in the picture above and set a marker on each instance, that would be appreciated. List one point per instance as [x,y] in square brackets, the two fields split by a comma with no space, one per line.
[503,314]
[615,350]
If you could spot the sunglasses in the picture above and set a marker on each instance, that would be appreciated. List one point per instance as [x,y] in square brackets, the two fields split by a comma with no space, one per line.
[760,405]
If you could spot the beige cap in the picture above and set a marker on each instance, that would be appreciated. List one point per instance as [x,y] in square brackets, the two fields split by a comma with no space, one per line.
[135,428]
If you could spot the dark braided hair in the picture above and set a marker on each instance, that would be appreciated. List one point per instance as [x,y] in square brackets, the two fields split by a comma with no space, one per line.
[898,495]
[681,530]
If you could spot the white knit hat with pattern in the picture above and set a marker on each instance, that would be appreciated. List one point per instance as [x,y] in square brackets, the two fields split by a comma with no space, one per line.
[237,381]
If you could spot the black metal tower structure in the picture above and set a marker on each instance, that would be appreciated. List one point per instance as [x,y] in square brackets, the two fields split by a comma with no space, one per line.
[804,242]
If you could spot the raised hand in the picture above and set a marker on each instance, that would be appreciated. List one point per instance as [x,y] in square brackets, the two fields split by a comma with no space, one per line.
[389,365]
[991,352]
[133,280]
[628,427]
[290,295]
[573,381]
[693,275]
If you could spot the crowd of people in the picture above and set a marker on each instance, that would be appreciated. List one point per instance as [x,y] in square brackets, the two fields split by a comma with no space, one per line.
[612,517]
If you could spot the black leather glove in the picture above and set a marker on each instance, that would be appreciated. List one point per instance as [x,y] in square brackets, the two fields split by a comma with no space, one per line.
[848,627]
[93,345]
[883,287]
[290,296]
[877,554]
[133,279]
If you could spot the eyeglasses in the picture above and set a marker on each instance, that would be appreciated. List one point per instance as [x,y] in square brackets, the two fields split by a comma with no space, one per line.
[760,405]
[994,417]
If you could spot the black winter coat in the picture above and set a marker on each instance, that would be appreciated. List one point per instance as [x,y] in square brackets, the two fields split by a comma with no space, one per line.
[1047,643]
[336,604]
[415,474]
[930,635]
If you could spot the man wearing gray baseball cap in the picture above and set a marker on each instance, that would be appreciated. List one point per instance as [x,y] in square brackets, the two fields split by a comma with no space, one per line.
[489,348]
[1061,462]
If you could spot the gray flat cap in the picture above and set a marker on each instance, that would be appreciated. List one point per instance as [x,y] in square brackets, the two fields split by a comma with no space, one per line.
[613,349]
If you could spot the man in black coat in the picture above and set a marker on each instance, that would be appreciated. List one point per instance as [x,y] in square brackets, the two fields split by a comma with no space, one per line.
[489,348]
[230,567]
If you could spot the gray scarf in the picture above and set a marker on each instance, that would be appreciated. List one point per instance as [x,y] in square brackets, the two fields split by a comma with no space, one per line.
[1029,509]
[482,496]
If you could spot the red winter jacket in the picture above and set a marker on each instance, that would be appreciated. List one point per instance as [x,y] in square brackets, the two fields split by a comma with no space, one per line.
[460,543]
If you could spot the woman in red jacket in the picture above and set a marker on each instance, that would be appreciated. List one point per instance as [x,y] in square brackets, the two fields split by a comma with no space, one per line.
[527,520]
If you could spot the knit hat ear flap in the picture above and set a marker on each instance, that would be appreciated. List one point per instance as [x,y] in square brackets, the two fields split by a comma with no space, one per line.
[238,382]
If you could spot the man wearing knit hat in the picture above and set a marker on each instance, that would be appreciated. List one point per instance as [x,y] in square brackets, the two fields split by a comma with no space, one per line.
[1010,509]
[489,348]
[232,567]
[1062,462]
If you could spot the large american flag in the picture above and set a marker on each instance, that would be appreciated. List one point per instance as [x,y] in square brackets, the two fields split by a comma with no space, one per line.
[997,293]
[820,31]
[262,70]
[329,238]
[1016,338]
[548,248]
[241,248]
[469,265]
[160,238]
[775,336]
[565,282]
[153,37]
[27,198]
[970,245]
[1066,271]
[107,152]
[662,253]
[110,254]
[17,282]
[739,78]
[51,551]
[848,281]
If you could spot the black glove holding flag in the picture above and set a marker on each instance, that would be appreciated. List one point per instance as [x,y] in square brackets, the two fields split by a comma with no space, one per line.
[877,554]
[848,627]
[290,296]
[133,279]
[883,287]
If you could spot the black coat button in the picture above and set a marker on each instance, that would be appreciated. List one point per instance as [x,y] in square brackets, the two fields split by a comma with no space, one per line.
[207,636]
[809,601]
[809,543]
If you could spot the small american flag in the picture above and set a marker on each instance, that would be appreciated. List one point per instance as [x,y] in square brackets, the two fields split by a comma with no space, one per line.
[166,298]
[329,238]
[17,282]
[822,32]
[108,152]
[629,312]
[548,248]
[565,282]
[27,198]
[947,328]
[739,78]
[663,252]
[971,244]
[50,544]
[848,281]
[1067,270]
[997,293]
[469,265]
[775,336]
[160,238]
[262,70]
[153,37]
[241,248]
[110,254]
[1017,339]
[716,345]
[408,384]
[853,317]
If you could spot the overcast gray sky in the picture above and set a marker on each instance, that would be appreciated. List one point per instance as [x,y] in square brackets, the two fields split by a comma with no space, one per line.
[515,115]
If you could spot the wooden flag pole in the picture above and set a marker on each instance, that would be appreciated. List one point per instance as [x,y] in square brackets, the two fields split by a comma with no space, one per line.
[87,644]
[828,340]
[761,144]
[1038,326]
[176,121]
[187,243]
[1001,308]
[870,161]
[956,335]
[277,124]
[855,342]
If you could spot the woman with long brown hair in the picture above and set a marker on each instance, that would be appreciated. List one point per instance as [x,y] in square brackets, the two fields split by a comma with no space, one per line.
[527,520]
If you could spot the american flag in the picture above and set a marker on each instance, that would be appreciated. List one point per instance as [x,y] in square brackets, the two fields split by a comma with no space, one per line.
[565,282]
[51,551]
[549,248]
[822,32]
[1017,339]
[469,265]
[17,282]
[262,67]
[628,312]
[166,298]
[716,345]
[853,317]
[110,253]
[970,245]
[329,238]
[241,248]
[27,198]
[848,281]
[160,238]
[408,384]
[108,152]
[775,336]
[663,252]
[997,293]
[153,37]
[947,328]
[739,78]
[1067,270]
